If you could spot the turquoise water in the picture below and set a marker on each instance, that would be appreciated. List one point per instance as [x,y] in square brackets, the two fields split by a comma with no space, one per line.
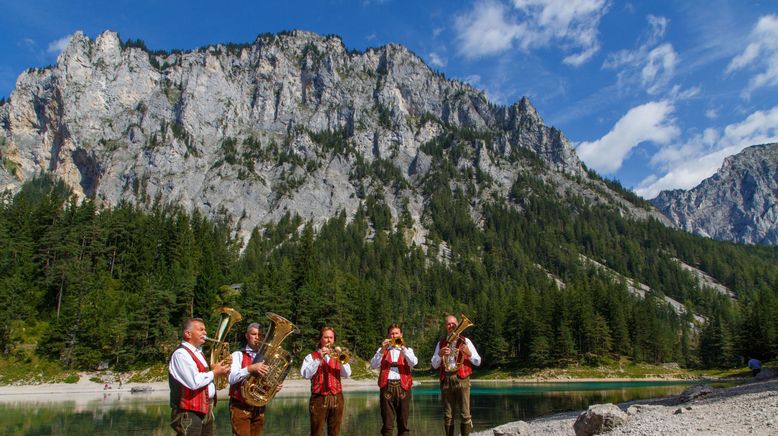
[492,404]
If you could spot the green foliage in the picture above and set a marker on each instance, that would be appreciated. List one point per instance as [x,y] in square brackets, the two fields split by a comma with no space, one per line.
[84,285]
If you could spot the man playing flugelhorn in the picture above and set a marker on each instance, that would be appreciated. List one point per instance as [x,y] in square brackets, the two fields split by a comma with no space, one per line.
[395,361]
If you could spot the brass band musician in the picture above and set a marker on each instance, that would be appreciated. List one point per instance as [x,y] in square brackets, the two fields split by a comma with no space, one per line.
[395,360]
[325,372]
[247,420]
[192,392]
[455,382]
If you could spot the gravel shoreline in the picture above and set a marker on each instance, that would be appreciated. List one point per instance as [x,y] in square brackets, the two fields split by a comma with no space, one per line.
[751,408]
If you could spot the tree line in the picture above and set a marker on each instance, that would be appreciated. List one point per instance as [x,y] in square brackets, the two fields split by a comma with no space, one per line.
[114,285]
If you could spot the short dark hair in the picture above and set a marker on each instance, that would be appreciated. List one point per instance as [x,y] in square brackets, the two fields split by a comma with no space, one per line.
[393,326]
[188,324]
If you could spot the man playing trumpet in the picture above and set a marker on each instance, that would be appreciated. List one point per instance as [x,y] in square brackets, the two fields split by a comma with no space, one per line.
[395,361]
[325,371]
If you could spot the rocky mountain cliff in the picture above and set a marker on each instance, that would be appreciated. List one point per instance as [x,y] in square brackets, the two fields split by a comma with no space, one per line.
[293,122]
[739,203]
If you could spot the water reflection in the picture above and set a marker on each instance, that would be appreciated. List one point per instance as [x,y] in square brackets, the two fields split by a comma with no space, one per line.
[492,404]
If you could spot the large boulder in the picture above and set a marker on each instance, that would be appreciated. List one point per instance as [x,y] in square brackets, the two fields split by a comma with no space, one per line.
[599,418]
[518,428]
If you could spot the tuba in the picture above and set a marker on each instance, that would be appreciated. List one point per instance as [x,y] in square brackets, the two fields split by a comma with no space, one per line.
[454,359]
[220,350]
[258,390]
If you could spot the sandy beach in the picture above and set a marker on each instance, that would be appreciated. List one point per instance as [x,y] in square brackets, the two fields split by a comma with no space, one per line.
[87,390]
[751,408]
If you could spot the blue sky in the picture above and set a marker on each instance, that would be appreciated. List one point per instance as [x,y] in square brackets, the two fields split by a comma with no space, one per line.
[653,93]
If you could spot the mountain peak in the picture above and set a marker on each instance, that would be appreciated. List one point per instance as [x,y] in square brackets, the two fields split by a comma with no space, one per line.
[738,203]
[293,123]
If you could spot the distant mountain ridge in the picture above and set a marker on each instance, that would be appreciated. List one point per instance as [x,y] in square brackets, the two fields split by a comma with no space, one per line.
[739,203]
[293,123]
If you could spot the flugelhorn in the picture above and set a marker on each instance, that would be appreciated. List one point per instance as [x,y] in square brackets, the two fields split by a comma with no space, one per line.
[341,354]
[220,349]
[394,342]
[455,358]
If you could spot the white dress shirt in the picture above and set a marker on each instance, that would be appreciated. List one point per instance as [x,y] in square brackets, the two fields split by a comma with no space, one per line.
[311,365]
[394,354]
[238,374]
[185,371]
[475,358]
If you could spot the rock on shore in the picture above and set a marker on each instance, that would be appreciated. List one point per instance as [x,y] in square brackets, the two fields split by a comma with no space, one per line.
[747,409]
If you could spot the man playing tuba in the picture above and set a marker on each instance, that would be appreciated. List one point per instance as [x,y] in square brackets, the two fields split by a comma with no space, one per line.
[395,381]
[326,404]
[455,355]
[192,393]
[247,420]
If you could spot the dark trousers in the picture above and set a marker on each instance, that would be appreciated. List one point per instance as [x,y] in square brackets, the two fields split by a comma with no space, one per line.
[246,420]
[326,409]
[188,423]
[455,393]
[395,404]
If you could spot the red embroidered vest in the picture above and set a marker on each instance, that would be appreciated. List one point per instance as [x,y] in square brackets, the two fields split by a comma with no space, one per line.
[406,381]
[465,369]
[184,398]
[326,381]
[235,389]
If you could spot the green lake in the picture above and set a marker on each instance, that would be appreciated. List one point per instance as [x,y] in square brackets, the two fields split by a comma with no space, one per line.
[492,403]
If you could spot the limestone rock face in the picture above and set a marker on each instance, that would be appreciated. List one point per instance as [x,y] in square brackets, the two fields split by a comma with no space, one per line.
[292,123]
[739,203]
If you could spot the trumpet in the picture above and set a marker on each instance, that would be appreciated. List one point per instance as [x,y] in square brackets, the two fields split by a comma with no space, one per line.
[341,354]
[394,343]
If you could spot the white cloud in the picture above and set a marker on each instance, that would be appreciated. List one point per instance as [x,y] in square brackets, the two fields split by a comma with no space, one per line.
[437,60]
[711,114]
[688,164]
[760,54]
[658,28]
[57,46]
[651,122]
[491,28]
[485,31]
[659,68]
[650,65]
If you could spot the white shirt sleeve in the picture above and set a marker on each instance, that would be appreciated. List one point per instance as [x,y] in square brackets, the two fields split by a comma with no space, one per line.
[410,357]
[436,361]
[345,370]
[185,371]
[475,358]
[237,374]
[310,366]
[375,362]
